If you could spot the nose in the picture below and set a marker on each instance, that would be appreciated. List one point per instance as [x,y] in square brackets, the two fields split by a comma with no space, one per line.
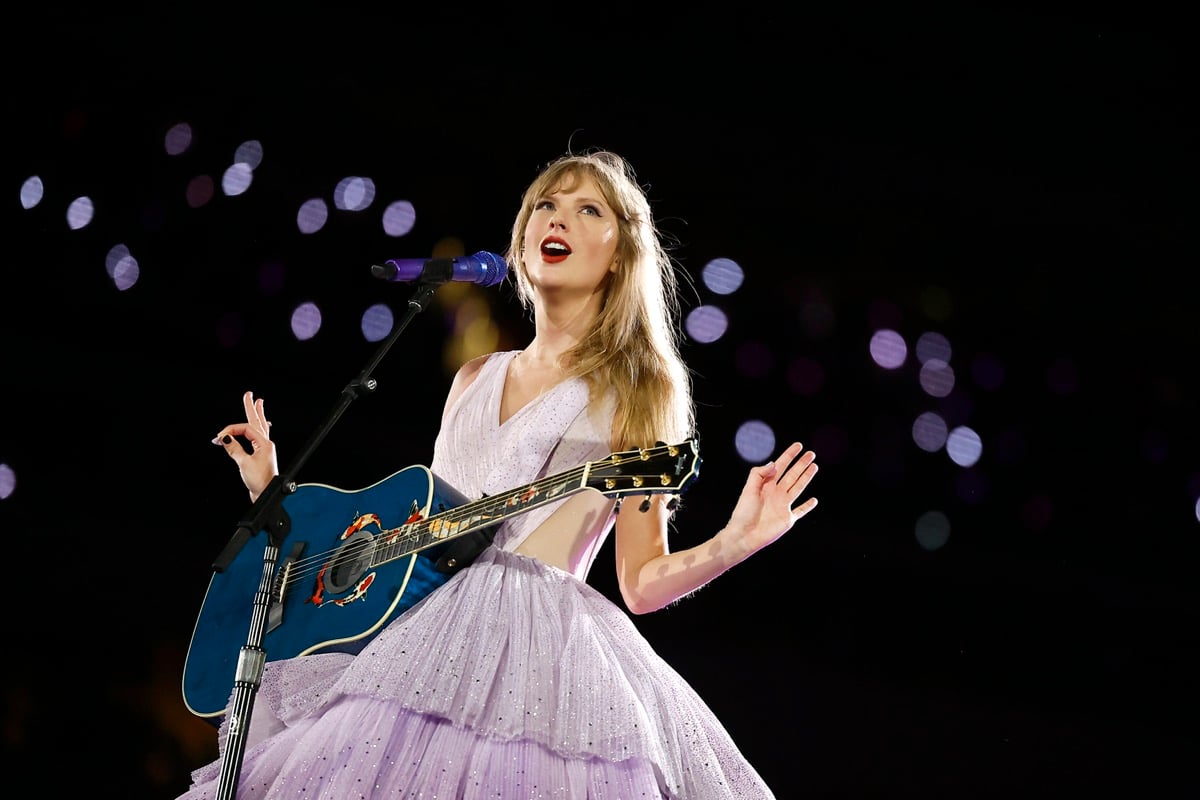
[556,221]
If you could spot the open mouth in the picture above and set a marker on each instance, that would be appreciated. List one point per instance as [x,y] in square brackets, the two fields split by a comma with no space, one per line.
[554,250]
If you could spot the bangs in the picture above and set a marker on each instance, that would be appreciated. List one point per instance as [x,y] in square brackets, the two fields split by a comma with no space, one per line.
[563,179]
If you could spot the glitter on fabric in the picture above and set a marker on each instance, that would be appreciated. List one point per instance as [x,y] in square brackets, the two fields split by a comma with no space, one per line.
[514,680]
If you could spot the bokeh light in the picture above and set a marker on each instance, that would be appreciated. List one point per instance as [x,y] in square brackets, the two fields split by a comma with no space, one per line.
[932,530]
[377,322]
[8,481]
[178,139]
[31,192]
[755,441]
[249,153]
[200,191]
[964,446]
[80,213]
[722,276]
[312,216]
[399,218]
[306,321]
[936,377]
[706,324]
[888,349]
[354,193]
[929,431]
[237,179]
[931,345]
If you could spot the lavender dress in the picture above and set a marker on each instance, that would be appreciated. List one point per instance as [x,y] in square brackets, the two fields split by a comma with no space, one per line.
[513,680]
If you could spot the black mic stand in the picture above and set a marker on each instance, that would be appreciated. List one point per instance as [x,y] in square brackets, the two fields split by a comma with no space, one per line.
[267,514]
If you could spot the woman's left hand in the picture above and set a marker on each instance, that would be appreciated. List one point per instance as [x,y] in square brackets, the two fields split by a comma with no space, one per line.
[765,509]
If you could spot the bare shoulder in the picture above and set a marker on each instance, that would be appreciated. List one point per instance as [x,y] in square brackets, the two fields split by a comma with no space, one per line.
[463,378]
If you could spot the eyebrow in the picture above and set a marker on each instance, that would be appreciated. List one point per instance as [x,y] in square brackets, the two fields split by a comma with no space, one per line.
[583,199]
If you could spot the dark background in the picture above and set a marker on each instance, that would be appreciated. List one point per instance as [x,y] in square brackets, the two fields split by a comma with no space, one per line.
[1022,182]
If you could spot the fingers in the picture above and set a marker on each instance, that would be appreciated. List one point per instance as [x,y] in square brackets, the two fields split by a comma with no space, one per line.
[256,414]
[801,468]
[255,430]
[788,456]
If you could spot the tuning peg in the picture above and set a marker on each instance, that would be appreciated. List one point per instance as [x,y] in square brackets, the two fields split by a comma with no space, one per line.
[617,507]
[645,506]
[673,503]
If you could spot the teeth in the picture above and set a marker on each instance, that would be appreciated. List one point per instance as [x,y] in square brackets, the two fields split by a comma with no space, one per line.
[555,246]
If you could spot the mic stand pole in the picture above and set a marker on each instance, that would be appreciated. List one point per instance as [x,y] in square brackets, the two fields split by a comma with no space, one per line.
[267,514]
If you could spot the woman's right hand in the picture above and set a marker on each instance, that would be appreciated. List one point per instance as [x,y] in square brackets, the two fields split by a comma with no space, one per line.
[259,464]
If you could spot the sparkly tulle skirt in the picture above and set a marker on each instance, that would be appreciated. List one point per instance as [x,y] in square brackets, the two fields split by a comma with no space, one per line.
[512,680]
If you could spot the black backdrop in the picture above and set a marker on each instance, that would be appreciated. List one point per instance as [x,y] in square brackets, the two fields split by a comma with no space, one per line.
[1022,182]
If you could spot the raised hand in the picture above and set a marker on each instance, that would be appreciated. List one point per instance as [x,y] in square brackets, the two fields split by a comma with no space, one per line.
[765,509]
[256,458]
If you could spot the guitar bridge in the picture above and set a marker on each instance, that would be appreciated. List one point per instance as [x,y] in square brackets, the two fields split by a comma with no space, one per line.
[275,613]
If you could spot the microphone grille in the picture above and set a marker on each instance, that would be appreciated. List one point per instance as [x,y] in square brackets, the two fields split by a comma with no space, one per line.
[495,268]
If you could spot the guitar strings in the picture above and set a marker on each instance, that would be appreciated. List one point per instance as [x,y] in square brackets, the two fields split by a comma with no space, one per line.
[413,532]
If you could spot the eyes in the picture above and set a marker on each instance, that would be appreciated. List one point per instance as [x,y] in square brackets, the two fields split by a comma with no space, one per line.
[589,209]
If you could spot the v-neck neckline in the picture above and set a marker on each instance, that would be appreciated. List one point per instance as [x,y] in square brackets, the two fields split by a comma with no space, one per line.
[533,401]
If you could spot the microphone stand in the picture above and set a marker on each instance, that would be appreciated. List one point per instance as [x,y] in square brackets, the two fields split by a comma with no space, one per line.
[267,514]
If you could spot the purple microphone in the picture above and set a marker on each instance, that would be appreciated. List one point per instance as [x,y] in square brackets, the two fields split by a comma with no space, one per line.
[483,268]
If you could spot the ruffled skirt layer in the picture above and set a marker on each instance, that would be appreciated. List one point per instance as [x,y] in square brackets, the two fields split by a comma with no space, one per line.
[512,680]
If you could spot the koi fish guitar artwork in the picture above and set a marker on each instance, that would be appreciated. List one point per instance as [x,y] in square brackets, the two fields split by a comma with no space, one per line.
[351,561]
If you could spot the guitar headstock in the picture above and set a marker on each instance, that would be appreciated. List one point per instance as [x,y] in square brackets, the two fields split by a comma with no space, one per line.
[665,468]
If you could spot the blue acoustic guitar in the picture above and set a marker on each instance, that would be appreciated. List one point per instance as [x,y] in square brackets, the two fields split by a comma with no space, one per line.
[351,561]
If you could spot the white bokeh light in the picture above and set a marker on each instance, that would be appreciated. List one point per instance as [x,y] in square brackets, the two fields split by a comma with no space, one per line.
[237,179]
[31,191]
[888,349]
[964,446]
[80,213]
[354,193]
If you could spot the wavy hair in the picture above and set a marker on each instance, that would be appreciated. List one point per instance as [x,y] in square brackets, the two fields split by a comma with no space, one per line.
[634,343]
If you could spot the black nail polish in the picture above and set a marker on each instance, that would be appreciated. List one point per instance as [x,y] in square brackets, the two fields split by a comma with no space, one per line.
[227,438]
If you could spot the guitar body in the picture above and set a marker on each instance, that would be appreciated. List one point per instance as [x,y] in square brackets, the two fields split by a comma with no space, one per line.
[351,561]
[340,603]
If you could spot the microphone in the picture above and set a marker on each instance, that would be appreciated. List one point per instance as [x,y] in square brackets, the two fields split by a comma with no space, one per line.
[483,268]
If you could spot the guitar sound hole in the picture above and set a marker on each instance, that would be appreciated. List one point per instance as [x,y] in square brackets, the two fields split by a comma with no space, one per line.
[350,562]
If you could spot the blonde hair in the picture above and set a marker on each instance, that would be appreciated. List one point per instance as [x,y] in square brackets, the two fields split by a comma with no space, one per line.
[634,343]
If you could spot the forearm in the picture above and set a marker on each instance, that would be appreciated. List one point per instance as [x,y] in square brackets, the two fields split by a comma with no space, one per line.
[667,578]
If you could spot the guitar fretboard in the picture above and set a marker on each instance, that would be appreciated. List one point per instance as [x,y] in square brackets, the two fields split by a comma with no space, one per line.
[412,537]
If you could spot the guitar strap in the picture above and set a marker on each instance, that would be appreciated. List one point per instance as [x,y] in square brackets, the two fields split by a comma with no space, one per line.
[461,551]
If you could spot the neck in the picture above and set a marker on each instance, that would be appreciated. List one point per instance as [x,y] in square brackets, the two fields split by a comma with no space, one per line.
[561,325]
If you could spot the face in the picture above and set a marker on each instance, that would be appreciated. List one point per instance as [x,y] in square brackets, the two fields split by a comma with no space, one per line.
[571,238]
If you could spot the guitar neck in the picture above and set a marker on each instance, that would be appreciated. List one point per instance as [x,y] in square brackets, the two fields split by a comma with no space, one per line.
[415,536]
[661,469]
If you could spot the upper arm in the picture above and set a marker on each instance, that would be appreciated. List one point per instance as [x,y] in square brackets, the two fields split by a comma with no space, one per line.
[641,536]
